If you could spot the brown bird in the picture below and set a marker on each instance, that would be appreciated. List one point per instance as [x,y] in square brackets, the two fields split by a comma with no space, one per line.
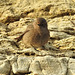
[36,35]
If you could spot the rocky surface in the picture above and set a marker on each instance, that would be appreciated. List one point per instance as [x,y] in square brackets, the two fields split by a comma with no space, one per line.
[58,57]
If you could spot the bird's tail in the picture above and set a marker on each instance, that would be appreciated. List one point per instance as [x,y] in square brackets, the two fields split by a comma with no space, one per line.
[20,37]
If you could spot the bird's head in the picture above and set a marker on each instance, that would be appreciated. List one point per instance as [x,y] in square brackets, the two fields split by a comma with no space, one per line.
[41,22]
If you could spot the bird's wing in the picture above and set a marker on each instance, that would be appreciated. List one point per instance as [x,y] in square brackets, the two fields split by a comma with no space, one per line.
[20,37]
[29,27]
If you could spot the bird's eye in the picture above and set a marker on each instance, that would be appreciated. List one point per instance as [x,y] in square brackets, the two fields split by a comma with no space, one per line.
[39,24]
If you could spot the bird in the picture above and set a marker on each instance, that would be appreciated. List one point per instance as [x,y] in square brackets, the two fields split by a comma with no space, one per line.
[36,35]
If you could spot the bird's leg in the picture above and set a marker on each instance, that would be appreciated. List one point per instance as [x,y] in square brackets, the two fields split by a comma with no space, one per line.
[34,48]
[43,47]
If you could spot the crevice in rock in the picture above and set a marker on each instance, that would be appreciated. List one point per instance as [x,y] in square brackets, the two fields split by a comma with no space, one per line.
[23,73]
[73,22]
[67,66]
[29,65]
[27,54]
[63,14]
[14,44]
[67,30]
[29,12]
[73,33]
[73,57]
[10,19]
[47,8]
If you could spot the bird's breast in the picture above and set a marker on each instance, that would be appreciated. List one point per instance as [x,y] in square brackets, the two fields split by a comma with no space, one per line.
[39,38]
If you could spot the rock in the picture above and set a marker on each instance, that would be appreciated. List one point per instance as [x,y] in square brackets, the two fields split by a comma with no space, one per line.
[4,67]
[61,8]
[71,67]
[2,57]
[11,11]
[48,65]
[7,46]
[19,27]
[65,44]
[62,25]
[6,17]
[12,58]
[59,35]
[21,65]
[3,29]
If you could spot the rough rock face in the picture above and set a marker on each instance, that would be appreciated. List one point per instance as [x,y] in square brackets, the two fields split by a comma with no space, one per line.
[48,65]
[58,57]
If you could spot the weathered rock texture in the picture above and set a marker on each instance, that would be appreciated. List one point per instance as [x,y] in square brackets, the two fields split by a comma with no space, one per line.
[58,57]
